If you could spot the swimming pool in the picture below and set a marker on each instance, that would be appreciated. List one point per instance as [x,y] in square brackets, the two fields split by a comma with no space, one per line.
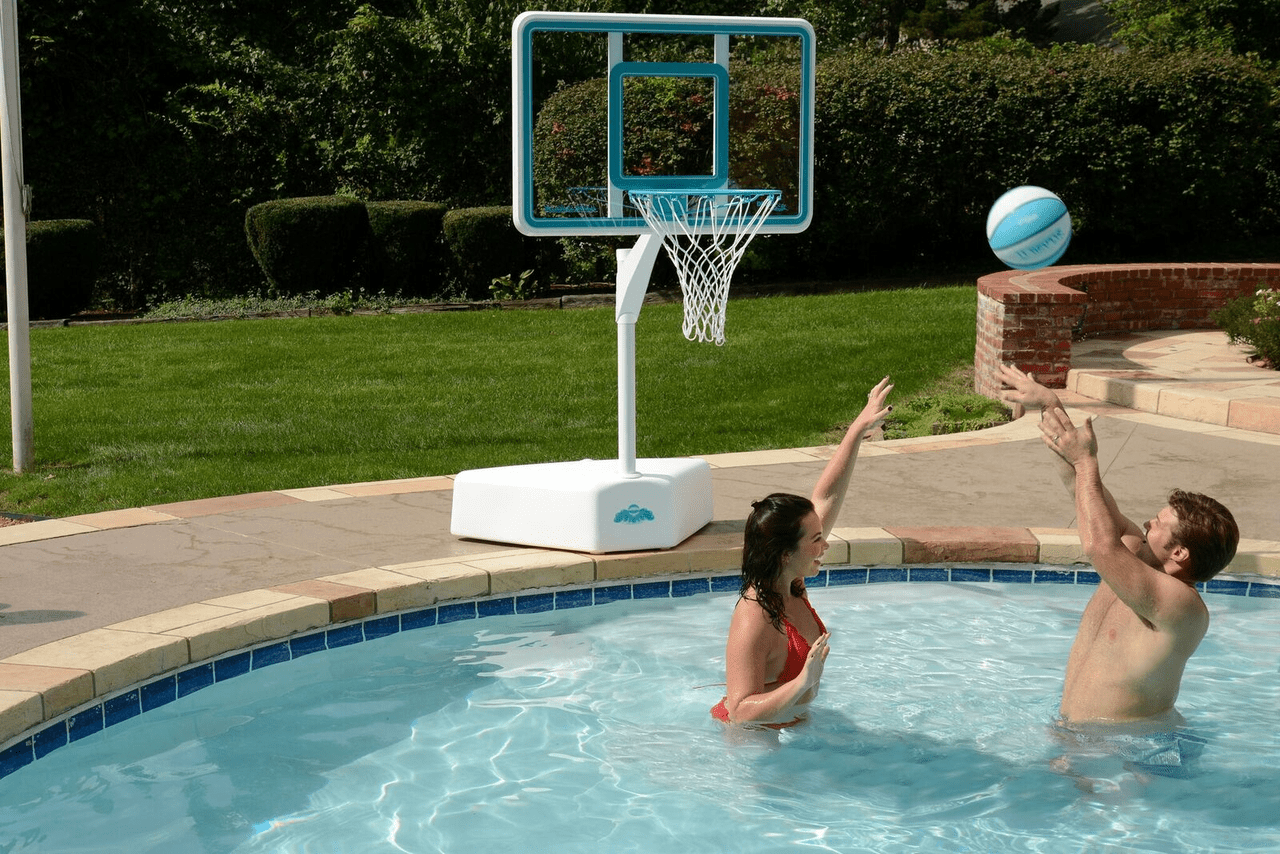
[587,729]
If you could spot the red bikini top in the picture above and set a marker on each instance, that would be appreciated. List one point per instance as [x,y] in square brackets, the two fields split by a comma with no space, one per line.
[797,646]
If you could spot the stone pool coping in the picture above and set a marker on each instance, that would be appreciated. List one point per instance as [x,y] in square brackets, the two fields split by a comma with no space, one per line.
[39,685]
[46,682]
[149,662]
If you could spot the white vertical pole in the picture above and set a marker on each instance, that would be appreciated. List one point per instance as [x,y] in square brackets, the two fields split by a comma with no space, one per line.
[15,242]
[635,265]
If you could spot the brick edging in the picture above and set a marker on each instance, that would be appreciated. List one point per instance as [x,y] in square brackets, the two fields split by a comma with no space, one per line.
[1029,318]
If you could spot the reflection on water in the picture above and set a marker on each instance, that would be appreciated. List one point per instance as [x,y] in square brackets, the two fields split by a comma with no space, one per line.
[590,730]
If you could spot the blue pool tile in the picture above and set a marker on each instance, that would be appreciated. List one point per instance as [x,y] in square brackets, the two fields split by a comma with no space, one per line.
[381,627]
[1012,576]
[726,583]
[929,573]
[881,574]
[651,590]
[190,681]
[1087,576]
[689,586]
[845,577]
[1231,588]
[120,709]
[456,612]
[1055,576]
[419,619]
[232,666]
[612,593]
[159,693]
[265,656]
[16,757]
[50,739]
[85,723]
[964,573]
[305,645]
[344,636]
[535,603]
[1268,591]
[504,607]
[574,598]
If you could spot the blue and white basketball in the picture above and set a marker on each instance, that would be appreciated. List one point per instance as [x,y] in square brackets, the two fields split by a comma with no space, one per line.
[1028,228]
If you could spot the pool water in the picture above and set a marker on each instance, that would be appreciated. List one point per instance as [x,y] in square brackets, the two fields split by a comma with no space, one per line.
[588,730]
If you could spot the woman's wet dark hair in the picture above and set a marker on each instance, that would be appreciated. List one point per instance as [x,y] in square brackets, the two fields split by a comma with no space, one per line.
[774,529]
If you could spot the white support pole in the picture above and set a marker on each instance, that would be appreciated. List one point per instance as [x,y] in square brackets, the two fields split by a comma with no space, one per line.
[15,242]
[635,265]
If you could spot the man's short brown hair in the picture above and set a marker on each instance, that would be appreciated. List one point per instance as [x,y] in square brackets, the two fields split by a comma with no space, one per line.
[1207,530]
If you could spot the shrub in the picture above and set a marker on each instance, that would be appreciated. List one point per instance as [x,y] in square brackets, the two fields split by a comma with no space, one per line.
[571,139]
[1254,319]
[318,243]
[62,263]
[408,246]
[485,245]
[1153,153]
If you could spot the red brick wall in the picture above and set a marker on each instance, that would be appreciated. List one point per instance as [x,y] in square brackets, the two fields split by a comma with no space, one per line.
[1028,318]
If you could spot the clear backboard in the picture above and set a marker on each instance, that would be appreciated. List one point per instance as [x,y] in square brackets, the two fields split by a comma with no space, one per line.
[609,105]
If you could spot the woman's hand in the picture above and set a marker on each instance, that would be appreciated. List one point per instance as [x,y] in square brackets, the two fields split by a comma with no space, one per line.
[1023,389]
[814,662]
[873,414]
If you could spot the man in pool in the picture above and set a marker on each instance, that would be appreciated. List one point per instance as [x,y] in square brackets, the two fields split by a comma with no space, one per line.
[1146,617]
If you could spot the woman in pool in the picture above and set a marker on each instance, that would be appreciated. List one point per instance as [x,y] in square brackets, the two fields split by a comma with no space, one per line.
[777,644]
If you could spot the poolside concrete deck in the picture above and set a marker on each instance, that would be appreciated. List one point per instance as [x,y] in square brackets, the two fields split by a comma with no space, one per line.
[93,604]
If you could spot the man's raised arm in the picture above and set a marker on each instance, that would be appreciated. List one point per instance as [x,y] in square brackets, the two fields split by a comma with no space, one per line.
[1025,391]
[1152,594]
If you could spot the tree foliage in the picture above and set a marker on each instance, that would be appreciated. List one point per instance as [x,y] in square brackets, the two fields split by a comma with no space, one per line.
[164,121]
[1229,26]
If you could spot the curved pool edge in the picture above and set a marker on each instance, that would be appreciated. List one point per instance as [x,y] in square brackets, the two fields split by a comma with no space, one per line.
[42,684]
[125,669]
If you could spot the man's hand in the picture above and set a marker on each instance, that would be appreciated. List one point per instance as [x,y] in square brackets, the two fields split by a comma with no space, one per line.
[1024,390]
[1066,440]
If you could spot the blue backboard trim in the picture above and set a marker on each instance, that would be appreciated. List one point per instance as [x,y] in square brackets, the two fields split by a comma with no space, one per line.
[719,75]
[526,216]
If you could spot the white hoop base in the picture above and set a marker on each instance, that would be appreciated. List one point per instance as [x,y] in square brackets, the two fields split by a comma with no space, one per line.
[584,506]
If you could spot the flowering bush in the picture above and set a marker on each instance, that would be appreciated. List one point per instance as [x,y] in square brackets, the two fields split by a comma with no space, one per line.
[1254,320]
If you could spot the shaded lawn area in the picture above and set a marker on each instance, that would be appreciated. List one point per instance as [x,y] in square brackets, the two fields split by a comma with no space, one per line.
[129,416]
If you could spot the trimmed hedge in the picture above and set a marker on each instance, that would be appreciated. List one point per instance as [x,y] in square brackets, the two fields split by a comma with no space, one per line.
[409,248]
[62,262]
[1169,155]
[330,244]
[485,245]
[1154,154]
[572,136]
[316,243]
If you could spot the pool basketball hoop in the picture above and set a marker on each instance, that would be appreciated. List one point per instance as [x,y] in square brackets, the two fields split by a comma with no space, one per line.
[705,234]
[624,183]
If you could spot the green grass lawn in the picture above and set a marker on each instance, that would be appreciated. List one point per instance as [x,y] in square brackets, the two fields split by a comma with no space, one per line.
[146,414]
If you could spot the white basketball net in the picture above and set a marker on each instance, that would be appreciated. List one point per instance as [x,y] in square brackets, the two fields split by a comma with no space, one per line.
[705,233]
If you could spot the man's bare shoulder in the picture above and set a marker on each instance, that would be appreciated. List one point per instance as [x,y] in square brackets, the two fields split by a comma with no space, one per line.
[1184,610]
